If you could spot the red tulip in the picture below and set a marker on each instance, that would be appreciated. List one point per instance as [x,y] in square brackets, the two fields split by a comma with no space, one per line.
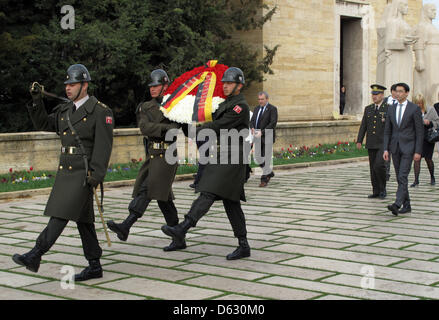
[31,168]
[10,170]
[140,159]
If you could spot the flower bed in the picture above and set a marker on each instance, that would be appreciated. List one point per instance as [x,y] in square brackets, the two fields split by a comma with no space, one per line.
[31,179]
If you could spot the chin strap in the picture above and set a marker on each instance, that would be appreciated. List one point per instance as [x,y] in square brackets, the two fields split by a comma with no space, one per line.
[79,93]
[234,89]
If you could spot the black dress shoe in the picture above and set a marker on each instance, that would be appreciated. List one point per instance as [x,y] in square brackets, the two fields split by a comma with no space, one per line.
[375,195]
[394,208]
[414,184]
[382,195]
[433,181]
[406,209]
[242,251]
[175,245]
[193,185]
[93,271]
[30,260]
[387,177]
[120,230]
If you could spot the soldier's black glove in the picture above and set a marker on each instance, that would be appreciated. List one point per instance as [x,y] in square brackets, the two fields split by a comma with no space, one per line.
[35,90]
[92,182]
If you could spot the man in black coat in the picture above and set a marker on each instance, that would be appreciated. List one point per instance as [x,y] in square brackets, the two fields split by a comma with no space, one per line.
[85,127]
[372,125]
[223,179]
[403,138]
[263,125]
[155,177]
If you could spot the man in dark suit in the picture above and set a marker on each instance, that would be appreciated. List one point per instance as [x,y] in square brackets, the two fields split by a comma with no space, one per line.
[372,125]
[263,125]
[403,138]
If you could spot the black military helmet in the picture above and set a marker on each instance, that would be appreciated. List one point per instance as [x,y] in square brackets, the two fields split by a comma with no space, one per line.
[233,74]
[158,77]
[77,73]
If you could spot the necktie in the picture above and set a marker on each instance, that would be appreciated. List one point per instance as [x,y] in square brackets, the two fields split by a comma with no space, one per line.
[73,109]
[399,114]
[258,120]
[376,108]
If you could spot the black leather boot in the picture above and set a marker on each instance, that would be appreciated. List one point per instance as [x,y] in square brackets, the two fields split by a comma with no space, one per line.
[93,271]
[175,245]
[178,232]
[122,229]
[242,251]
[30,260]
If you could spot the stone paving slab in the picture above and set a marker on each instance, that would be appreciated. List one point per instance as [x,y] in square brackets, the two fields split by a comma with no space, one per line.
[82,292]
[389,286]
[329,288]
[161,290]
[252,288]
[312,232]
[7,293]
[348,267]
[18,280]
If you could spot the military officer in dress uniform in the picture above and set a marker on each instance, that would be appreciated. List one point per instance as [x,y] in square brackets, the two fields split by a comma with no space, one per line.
[372,126]
[155,178]
[85,127]
[223,181]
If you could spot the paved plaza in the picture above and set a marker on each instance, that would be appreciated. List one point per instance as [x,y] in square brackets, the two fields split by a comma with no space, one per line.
[313,233]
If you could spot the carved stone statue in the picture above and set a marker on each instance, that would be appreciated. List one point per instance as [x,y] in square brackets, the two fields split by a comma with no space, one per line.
[395,58]
[427,56]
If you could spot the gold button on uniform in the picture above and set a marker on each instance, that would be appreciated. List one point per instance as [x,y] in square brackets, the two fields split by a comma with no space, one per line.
[70,167]
[64,133]
[60,167]
[85,119]
[161,156]
[152,157]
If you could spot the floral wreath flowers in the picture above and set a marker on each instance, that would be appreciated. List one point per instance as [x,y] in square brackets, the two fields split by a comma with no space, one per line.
[195,95]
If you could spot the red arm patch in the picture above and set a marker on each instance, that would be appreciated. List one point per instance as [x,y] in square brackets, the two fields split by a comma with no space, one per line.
[237,109]
[109,120]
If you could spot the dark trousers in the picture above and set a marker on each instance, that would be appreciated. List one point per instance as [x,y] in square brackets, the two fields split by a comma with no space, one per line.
[260,158]
[402,163]
[55,227]
[140,202]
[233,209]
[341,107]
[388,166]
[377,170]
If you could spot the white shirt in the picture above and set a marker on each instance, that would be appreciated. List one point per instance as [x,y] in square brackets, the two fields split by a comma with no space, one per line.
[261,111]
[404,105]
[81,102]
[391,100]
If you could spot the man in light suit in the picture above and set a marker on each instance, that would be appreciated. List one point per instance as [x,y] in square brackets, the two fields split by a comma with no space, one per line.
[403,138]
[263,124]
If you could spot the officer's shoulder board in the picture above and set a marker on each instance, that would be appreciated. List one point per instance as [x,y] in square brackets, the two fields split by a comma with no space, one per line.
[103,105]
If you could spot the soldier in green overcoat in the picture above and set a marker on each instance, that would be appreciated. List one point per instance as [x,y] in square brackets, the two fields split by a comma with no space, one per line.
[155,178]
[85,127]
[224,180]
[372,126]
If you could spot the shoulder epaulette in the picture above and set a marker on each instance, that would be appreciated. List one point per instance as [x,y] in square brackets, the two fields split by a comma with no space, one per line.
[103,105]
